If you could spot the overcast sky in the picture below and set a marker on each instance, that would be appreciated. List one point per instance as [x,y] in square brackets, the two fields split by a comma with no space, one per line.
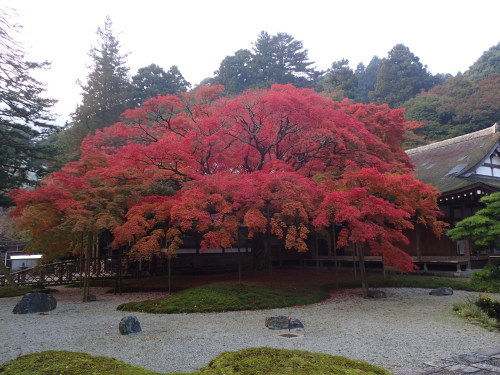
[196,35]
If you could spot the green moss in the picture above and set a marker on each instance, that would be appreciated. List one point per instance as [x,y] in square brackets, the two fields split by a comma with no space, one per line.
[7,291]
[263,361]
[69,363]
[254,361]
[432,282]
[227,297]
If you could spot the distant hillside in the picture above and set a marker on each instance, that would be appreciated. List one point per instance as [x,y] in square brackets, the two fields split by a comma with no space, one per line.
[463,104]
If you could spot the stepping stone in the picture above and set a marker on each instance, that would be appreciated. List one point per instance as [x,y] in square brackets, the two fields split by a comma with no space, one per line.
[283,322]
[443,291]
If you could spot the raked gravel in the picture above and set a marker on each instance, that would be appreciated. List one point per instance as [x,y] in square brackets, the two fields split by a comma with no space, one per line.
[398,333]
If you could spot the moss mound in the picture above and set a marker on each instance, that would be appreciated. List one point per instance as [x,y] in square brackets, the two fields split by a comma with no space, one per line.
[264,361]
[254,361]
[69,363]
[7,291]
[227,297]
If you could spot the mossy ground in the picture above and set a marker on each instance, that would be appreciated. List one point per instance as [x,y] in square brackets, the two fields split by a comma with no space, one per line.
[253,361]
[7,291]
[228,297]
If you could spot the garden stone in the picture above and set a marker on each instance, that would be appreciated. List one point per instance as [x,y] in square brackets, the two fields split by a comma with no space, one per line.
[35,303]
[443,291]
[376,294]
[129,324]
[91,298]
[281,322]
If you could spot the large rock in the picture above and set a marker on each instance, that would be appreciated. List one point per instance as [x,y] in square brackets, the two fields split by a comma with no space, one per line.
[90,298]
[35,303]
[283,322]
[129,324]
[443,291]
[376,294]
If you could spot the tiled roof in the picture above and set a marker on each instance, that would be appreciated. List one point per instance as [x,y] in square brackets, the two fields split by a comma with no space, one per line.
[442,164]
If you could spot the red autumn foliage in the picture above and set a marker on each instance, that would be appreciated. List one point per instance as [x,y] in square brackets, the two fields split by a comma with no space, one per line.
[284,161]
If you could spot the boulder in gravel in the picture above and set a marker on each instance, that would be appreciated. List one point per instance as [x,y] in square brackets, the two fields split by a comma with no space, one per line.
[129,324]
[91,298]
[35,303]
[376,294]
[283,322]
[443,291]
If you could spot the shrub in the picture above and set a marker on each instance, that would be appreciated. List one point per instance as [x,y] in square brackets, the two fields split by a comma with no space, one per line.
[489,273]
[489,306]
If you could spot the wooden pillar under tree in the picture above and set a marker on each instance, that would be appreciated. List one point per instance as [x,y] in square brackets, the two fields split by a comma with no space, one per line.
[418,233]
[467,254]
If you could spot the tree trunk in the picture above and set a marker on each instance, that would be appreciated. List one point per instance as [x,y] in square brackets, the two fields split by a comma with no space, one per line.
[362,271]
[81,261]
[267,245]
[239,257]
[332,245]
[86,280]
[169,272]
[7,274]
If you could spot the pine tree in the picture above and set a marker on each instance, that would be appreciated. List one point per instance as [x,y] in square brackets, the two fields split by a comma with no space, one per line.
[24,116]
[483,228]
[151,81]
[400,77]
[106,94]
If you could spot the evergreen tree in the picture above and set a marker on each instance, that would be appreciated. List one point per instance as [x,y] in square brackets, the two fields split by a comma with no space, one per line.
[367,77]
[152,80]
[483,228]
[107,92]
[24,116]
[237,73]
[282,59]
[341,80]
[400,77]
[488,63]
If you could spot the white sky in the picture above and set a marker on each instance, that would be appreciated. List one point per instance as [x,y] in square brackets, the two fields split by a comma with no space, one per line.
[447,35]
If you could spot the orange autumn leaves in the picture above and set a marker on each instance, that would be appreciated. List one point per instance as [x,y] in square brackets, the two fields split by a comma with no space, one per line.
[284,161]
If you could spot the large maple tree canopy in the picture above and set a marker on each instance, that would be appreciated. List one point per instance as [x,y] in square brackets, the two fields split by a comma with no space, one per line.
[284,161]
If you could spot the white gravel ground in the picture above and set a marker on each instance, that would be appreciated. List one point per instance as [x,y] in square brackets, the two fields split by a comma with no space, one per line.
[398,333]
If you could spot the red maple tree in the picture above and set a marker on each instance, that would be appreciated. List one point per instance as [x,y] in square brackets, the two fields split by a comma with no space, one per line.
[283,162]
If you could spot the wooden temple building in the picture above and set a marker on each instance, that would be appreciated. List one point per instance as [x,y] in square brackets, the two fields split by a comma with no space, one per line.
[464,169]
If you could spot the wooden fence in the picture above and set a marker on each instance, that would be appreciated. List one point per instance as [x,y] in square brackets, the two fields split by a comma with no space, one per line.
[70,271]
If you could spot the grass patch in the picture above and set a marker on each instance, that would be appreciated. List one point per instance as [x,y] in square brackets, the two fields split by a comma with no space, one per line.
[473,310]
[432,282]
[8,291]
[425,282]
[254,361]
[227,297]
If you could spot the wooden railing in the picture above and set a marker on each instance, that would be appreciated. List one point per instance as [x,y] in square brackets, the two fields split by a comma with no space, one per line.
[69,271]
[456,260]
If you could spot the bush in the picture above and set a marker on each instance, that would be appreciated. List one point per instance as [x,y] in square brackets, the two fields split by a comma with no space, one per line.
[489,306]
[491,272]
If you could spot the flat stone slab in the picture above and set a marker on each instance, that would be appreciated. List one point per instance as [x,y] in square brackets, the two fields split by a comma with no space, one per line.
[35,303]
[283,322]
[482,362]
[443,291]
[467,359]
[376,294]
